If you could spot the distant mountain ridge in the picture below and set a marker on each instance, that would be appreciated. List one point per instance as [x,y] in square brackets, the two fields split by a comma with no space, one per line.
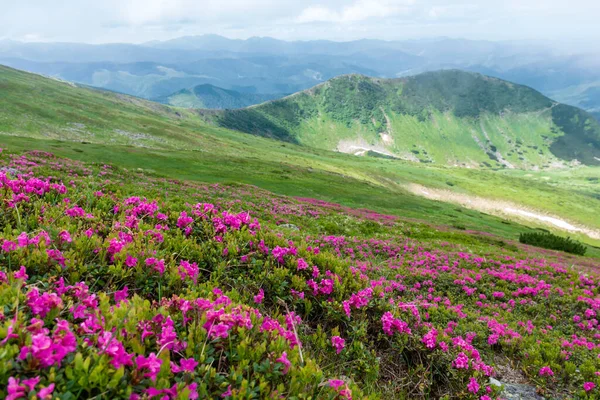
[150,80]
[265,65]
[213,97]
[447,117]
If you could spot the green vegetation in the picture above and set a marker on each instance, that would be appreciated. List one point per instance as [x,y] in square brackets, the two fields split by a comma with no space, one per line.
[104,127]
[162,259]
[119,284]
[469,95]
[583,142]
[213,97]
[548,240]
[448,117]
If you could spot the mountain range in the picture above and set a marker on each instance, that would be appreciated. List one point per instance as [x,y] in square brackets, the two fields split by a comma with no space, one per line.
[276,68]
[208,218]
[437,120]
[446,117]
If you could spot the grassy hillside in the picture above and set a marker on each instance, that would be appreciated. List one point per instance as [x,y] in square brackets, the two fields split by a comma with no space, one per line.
[83,124]
[213,97]
[120,284]
[447,117]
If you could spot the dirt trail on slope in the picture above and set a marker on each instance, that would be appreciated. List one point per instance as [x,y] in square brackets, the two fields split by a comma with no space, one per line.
[500,208]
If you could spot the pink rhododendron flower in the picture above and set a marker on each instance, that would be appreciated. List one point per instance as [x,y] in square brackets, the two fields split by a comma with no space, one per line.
[220,330]
[430,339]
[391,324]
[150,365]
[461,361]
[56,255]
[286,363]
[121,295]
[51,350]
[184,220]
[338,343]
[22,240]
[302,264]
[185,365]
[546,371]
[21,274]
[588,386]
[260,296]
[115,349]
[187,269]
[14,389]
[473,386]
[227,393]
[336,383]
[41,305]
[158,265]
[65,237]
[8,246]
[326,286]
[46,393]
[131,261]
[10,334]
[193,389]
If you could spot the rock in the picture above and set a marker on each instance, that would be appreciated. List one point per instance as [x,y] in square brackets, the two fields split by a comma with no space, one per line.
[495,382]
[290,226]
[10,171]
[517,391]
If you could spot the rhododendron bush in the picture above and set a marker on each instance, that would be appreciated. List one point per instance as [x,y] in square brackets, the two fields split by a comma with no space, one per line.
[118,285]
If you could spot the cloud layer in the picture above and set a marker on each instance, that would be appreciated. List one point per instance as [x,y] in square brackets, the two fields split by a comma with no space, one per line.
[142,20]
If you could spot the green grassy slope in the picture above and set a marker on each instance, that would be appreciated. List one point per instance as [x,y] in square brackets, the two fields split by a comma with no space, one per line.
[448,117]
[213,97]
[39,113]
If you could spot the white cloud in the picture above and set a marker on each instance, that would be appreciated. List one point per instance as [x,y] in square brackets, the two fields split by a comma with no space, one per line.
[358,11]
[454,11]
[143,20]
[139,12]
[317,14]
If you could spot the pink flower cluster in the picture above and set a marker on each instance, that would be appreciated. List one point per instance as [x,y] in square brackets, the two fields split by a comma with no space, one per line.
[338,343]
[390,325]
[19,189]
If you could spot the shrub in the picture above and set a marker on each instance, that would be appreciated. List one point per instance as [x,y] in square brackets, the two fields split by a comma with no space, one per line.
[552,242]
[119,285]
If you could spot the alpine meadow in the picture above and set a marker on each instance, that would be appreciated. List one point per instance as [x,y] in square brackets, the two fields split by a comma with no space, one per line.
[386,214]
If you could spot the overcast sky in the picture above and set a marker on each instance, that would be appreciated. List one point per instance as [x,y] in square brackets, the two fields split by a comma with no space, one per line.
[100,21]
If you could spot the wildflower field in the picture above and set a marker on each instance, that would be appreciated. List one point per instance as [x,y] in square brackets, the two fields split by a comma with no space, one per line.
[115,284]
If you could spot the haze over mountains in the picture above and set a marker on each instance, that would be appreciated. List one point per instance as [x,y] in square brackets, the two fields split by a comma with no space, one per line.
[213,97]
[259,66]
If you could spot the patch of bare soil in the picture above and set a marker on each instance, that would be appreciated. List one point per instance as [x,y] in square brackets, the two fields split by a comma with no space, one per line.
[500,208]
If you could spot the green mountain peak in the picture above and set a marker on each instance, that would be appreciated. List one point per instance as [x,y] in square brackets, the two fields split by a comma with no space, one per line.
[448,117]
